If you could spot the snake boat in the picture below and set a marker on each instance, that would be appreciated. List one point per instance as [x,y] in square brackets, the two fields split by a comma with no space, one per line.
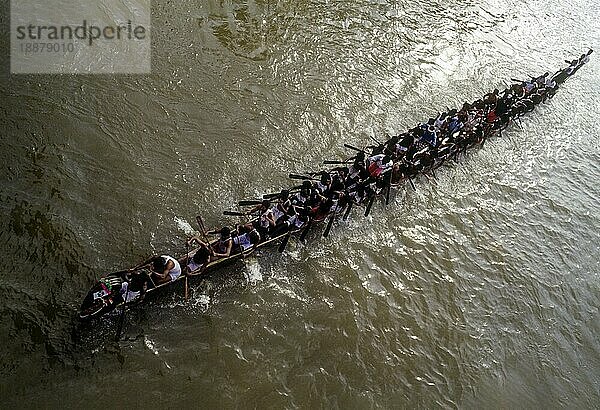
[485,118]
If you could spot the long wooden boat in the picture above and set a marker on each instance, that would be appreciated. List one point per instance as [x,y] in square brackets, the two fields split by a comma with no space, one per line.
[103,297]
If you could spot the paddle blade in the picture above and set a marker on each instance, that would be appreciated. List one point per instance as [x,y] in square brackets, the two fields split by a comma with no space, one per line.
[302,177]
[121,321]
[284,243]
[250,202]
[328,162]
[233,213]
[200,223]
[368,210]
[353,148]
[305,231]
[329,225]
[348,210]
[412,184]
[387,194]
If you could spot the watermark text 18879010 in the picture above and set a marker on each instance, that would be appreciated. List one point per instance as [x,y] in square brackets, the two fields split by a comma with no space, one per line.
[80,37]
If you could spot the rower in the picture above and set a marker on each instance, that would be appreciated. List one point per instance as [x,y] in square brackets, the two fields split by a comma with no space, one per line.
[321,211]
[135,287]
[585,57]
[430,136]
[315,198]
[295,221]
[454,124]
[324,184]
[491,98]
[355,169]
[199,261]
[165,268]
[528,86]
[549,83]
[337,184]
[378,164]
[282,206]
[266,221]
[405,142]
[439,121]
[246,241]
[222,247]
[301,197]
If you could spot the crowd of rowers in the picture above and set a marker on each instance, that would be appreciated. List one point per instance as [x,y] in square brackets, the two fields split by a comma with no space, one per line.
[361,178]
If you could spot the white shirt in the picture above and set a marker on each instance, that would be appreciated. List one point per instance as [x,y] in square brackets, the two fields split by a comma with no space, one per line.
[176,271]
[243,241]
[263,221]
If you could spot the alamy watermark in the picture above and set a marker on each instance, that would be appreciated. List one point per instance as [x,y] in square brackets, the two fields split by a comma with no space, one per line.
[83,37]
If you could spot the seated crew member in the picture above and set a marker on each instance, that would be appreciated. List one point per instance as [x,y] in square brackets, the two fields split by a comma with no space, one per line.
[430,136]
[549,83]
[197,263]
[354,170]
[378,164]
[165,268]
[246,241]
[528,86]
[222,247]
[282,206]
[295,220]
[454,123]
[315,198]
[585,57]
[266,221]
[390,146]
[337,186]
[398,174]
[405,142]
[321,211]
[301,197]
[324,183]
[439,121]
[298,220]
[134,288]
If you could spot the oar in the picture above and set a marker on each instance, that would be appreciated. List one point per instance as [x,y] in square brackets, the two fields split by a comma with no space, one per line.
[412,184]
[122,316]
[328,162]
[276,194]
[348,210]
[305,231]
[429,178]
[250,202]
[119,273]
[203,229]
[271,196]
[387,194]
[234,213]
[187,260]
[121,319]
[369,205]
[200,223]
[329,225]
[302,177]
[353,148]
[284,242]
[374,139]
